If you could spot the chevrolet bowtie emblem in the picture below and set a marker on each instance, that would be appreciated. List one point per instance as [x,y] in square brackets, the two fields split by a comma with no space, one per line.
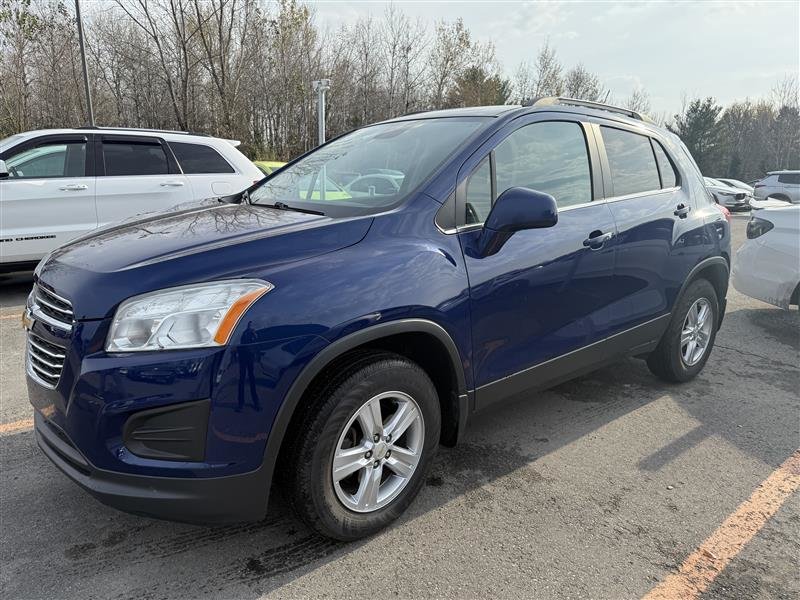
[27,319]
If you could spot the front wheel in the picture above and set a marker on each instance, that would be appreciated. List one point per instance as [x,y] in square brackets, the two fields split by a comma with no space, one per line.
[364,446]
[686,344]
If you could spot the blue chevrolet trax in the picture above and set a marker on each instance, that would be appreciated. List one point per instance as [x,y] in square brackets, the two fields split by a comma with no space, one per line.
[328,328]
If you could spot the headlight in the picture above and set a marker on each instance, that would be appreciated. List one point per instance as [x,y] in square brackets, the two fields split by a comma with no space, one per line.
[191,316]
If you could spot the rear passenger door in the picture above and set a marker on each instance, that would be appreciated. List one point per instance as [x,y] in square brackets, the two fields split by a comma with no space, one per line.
[209,174]
[546,292]
[660,232]
[48,197]
[137,174]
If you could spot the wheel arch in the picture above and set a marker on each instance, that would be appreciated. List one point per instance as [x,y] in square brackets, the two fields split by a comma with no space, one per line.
[407,337]
[716,270]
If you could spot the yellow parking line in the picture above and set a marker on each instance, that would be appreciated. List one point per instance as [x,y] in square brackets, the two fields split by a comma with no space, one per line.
[704,564]
[16,426]
[17,316]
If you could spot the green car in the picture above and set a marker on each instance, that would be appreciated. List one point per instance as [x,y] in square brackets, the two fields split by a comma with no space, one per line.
[268,167]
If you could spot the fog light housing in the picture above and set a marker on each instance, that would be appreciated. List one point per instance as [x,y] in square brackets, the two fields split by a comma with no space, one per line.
[175,432]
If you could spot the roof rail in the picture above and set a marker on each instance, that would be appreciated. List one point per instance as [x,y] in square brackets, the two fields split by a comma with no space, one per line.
[96,127]
[553,100]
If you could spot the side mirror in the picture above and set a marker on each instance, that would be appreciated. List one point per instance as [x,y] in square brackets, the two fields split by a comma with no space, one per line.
[3,170]
[516,209]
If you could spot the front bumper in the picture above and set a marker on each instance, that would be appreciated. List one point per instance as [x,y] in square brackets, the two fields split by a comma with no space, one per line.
[198,500]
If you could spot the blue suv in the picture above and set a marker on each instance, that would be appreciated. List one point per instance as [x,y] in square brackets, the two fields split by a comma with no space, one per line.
[330,326]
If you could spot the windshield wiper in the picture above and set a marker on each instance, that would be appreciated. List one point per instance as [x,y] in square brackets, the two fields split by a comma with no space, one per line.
[284,206]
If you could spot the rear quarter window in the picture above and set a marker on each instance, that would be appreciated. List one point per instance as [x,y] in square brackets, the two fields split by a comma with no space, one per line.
[631,160]
[197,159]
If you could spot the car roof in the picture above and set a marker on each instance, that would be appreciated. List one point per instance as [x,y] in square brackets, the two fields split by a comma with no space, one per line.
[197,137]
[784,172]
[546,104]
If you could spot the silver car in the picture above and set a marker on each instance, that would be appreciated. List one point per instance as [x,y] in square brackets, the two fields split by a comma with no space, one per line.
[731,198]
[780,185]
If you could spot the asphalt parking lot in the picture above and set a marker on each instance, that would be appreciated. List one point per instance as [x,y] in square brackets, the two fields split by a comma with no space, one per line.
[600,488]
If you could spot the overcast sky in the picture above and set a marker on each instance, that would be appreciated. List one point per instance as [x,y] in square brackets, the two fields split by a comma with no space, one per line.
[729,50]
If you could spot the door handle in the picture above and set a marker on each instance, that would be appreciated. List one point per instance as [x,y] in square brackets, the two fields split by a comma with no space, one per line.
[172,184]
[74,187]
[596,239]
[682,211]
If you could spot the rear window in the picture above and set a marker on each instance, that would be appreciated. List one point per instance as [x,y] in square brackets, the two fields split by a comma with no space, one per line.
[631,160]
[196,159]
[790,178]
[669,178]
[134,158]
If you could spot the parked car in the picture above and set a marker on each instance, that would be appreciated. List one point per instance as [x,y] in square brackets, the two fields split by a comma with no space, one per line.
[735,183]
[731,198]
[333,344]
[57,184]
[780,185]
[267,167]
[767,265]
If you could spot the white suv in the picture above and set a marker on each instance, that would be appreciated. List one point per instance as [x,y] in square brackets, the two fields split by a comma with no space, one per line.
[57,184]
[781,185]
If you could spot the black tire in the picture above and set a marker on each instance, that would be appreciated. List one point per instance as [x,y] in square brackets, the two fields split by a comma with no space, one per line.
[666,361]
[309,481]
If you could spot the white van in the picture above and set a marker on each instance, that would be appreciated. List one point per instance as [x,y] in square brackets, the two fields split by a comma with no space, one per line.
[57,184]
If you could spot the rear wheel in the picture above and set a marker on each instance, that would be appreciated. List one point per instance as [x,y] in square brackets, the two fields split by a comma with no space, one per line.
[361,453]
[686,345]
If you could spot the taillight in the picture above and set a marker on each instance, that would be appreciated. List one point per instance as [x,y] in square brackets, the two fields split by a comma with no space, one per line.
[757,227]
[725,212]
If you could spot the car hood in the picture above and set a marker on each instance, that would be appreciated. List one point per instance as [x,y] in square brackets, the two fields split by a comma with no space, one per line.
[203,243]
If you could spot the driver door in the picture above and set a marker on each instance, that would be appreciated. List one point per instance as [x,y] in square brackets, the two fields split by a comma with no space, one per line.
[547,292]
[48,197]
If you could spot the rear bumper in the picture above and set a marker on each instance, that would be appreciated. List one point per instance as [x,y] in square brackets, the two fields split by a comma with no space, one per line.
[226,499]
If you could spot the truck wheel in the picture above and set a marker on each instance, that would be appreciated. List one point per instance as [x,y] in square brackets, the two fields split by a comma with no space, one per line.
[360,455]
[686,344]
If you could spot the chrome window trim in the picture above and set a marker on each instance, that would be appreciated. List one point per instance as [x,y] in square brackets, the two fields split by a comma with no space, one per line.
[642,194]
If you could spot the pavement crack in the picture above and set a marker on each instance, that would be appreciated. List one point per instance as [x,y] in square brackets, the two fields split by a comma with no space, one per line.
[755,355]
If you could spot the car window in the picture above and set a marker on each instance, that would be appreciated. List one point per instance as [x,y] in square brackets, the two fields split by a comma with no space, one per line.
[371,169]
[631,160]
[479,193]
[549,157]
[196,159]
[790,178]
[669,178]
[58,159]
[134,158]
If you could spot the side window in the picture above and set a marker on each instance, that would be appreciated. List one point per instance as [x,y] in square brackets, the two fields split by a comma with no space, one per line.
[631,160]
[549,157]
[669,178]
[790,178]
[57,159]
[134,158]
[196,159]
[478,193]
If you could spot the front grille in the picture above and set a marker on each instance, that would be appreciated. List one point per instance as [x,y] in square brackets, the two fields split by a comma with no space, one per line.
[52,308]
[45,360]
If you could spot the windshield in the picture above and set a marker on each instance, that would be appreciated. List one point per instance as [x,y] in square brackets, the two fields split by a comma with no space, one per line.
[369,169]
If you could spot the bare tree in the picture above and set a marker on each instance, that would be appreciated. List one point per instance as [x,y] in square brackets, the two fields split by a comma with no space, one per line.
[547,80]
[448,58]
[639,100]
[580,83]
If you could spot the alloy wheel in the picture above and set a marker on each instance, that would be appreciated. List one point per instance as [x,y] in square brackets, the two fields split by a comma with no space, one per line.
[378,451]
[696,332]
